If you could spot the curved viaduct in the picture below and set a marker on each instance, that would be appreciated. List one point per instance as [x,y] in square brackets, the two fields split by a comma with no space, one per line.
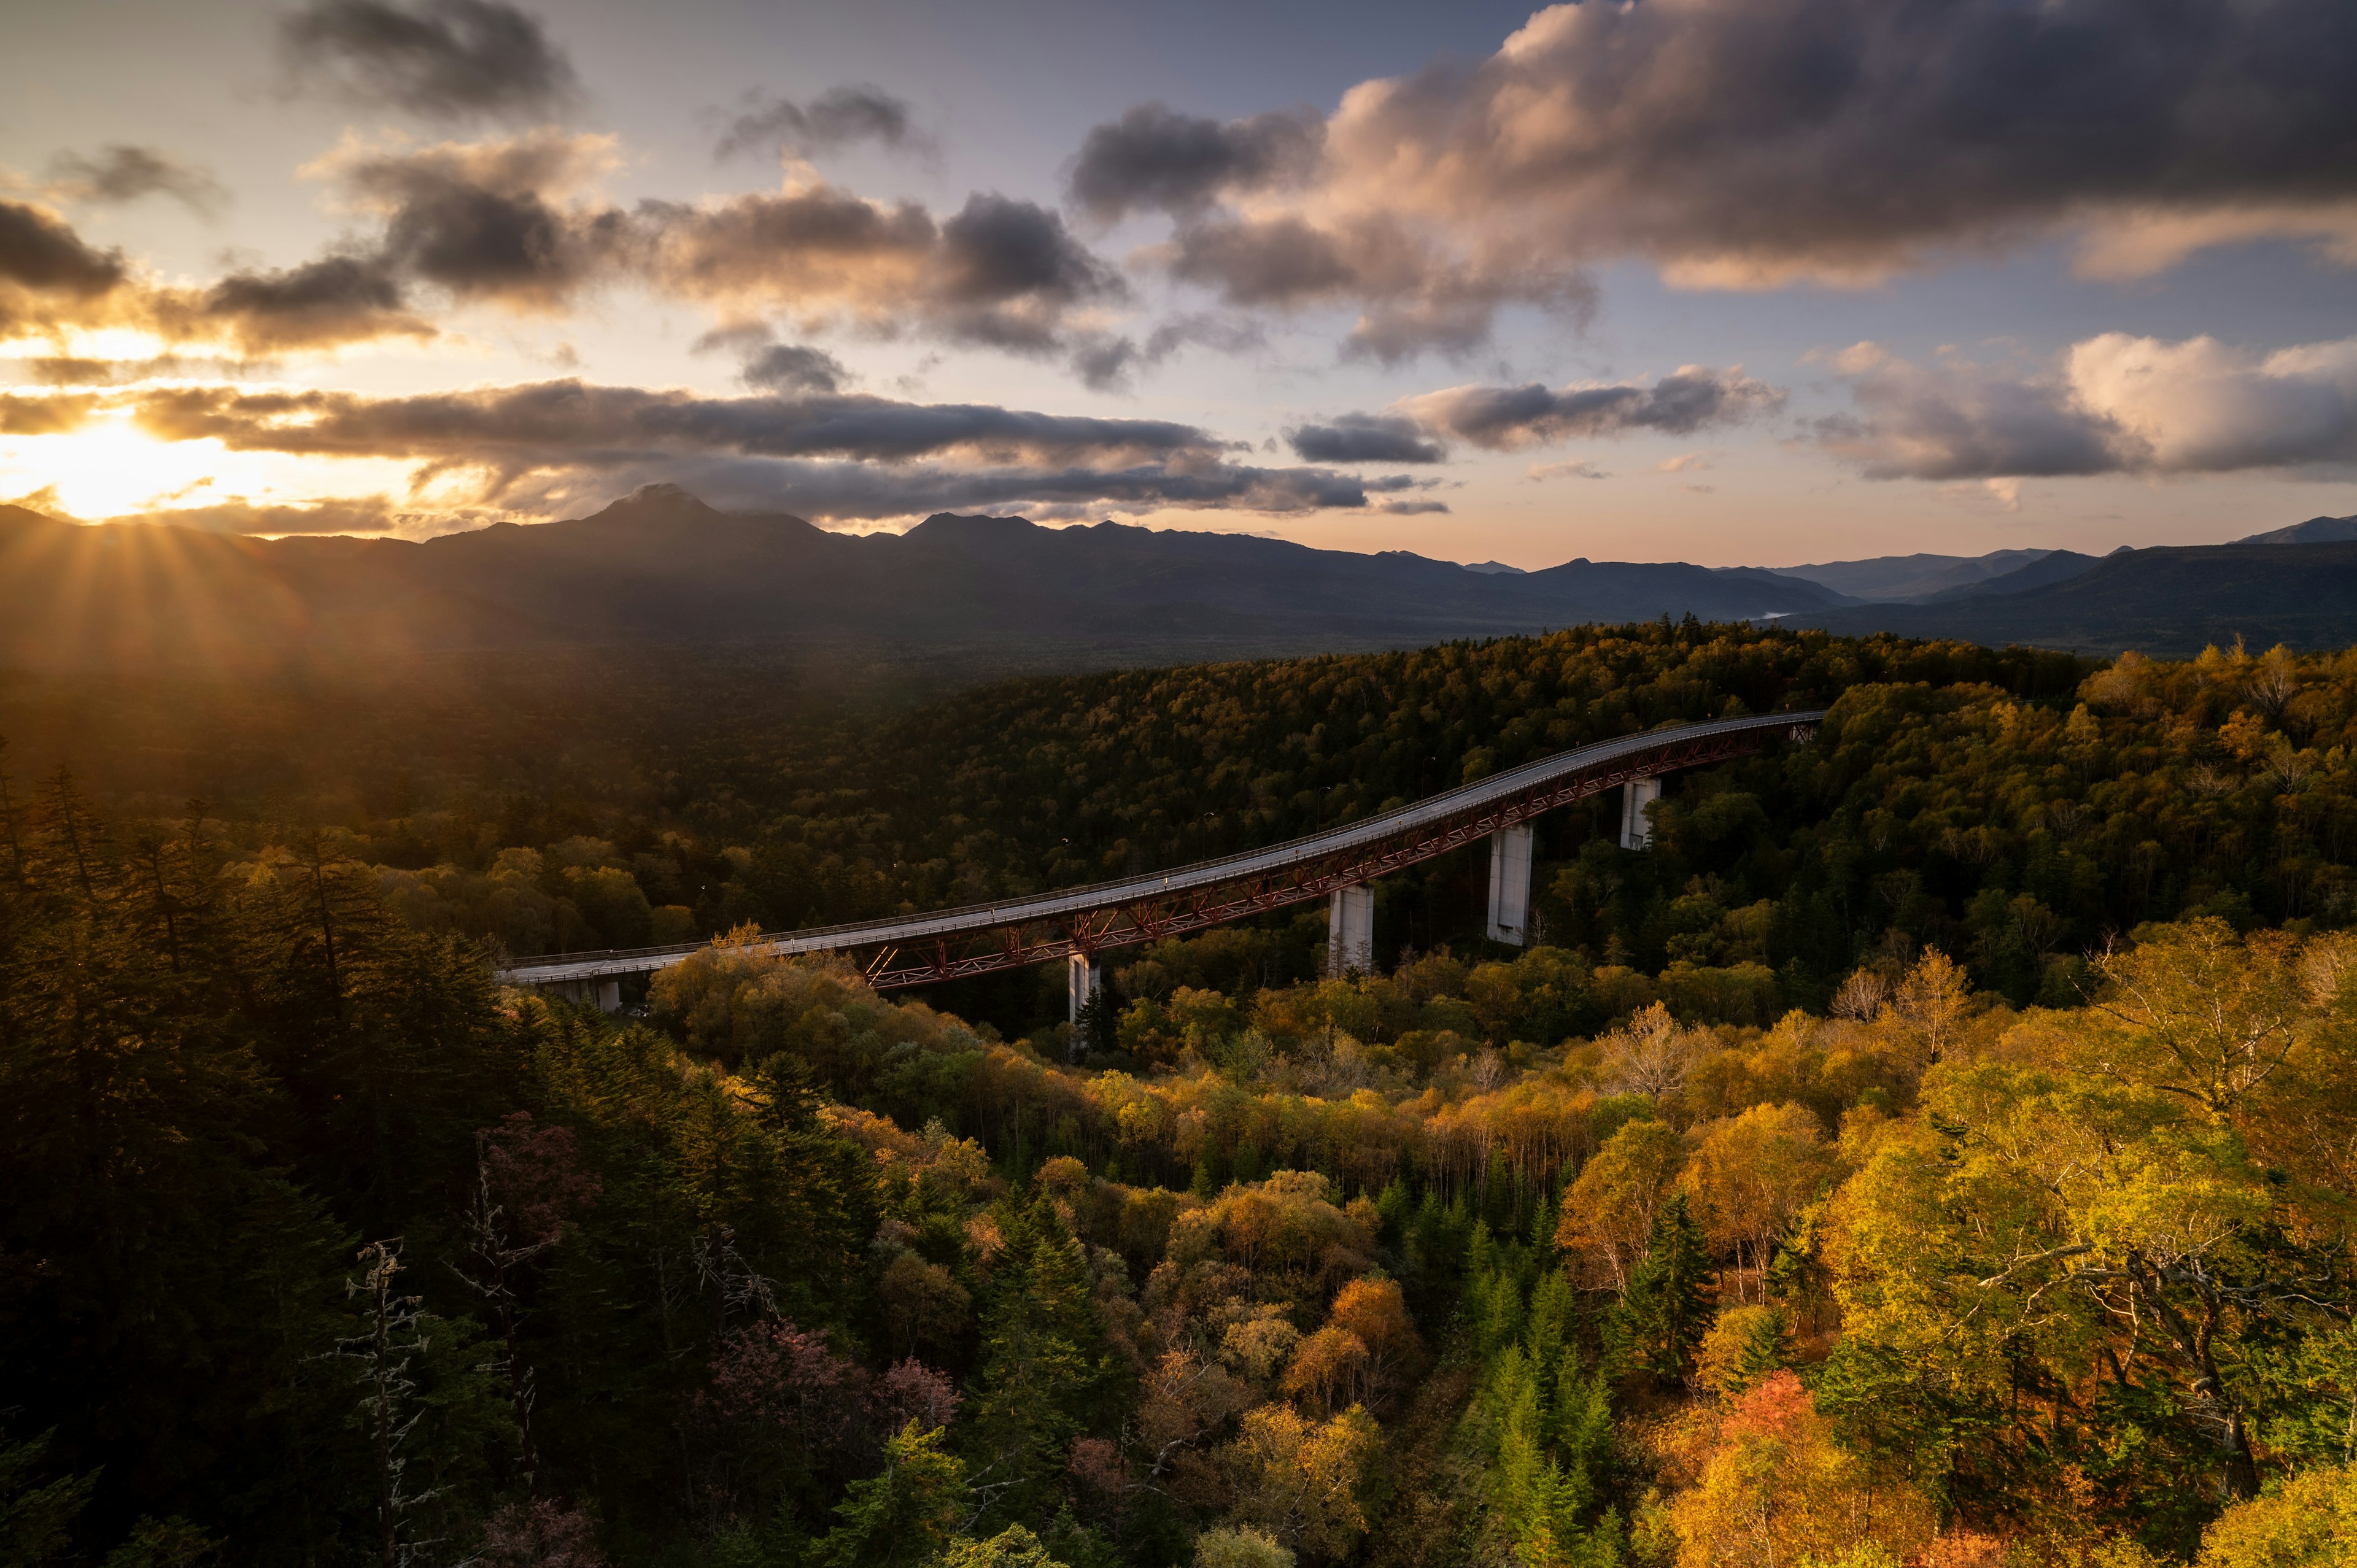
[1074,923]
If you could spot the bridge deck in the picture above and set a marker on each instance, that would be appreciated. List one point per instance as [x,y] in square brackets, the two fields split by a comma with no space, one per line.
[1047,925]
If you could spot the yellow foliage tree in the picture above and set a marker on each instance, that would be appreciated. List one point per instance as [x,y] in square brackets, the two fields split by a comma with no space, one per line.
[1774,1489]
[1298,1480]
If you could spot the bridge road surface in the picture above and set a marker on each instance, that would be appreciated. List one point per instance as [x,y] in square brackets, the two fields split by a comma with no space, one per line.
[948,944]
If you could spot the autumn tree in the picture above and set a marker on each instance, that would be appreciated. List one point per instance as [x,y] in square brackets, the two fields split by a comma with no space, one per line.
[1608,1213]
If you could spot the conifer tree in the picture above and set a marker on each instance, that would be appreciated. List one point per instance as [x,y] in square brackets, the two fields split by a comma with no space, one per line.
[1660,1325]
[1041,1367]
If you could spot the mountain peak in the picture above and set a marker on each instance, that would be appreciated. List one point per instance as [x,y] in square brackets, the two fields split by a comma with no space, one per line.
[2315,531]
[666,504]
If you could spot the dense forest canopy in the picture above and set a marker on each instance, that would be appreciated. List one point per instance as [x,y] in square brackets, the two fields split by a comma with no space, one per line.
[1939,1148]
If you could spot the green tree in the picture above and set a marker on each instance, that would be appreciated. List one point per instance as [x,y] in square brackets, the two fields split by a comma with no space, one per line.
[905,1517]
[1042,1371]
[1658,1327]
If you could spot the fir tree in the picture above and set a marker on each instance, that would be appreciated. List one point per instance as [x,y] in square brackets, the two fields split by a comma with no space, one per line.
[1040,1370]
[1660,1324]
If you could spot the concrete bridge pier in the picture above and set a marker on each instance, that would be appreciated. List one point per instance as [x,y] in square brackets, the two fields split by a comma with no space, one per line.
[1636,828]
[1082,981]
[604,994]
[1510,885]
[1350,931]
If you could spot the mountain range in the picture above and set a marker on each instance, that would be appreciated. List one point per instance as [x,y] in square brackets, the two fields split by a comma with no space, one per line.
[660,567]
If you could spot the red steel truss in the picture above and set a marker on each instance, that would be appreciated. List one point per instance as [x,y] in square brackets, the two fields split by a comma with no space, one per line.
[1126,924]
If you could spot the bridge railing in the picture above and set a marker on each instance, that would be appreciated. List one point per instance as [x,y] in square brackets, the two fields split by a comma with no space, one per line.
[1169,902]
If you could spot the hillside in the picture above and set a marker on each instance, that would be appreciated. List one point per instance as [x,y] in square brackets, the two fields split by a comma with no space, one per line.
[1911,578]
[662,567]
[774,1218]
[2171,600]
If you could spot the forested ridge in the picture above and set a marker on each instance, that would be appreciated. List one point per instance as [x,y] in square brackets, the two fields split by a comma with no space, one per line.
[1937,1149]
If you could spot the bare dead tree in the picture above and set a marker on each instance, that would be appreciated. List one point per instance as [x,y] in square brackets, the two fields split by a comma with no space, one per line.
[392,1339]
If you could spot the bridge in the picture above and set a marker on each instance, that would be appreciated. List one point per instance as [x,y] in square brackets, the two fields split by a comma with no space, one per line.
[1074,924]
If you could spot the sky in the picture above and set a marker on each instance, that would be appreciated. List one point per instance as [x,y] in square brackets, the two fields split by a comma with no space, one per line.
[1739,282]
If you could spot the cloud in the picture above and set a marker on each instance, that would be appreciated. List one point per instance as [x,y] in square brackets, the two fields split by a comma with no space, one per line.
[50,415]
[1750,143]
[1154,158]
[40,253]
[508,220]
[1507,419]
[1685,464]
[796,367]
[1412,508]
[837,457]
[52,282]
[1000,273]
[1365,438]
[2113,405]
[441,59]
[1414,294]
[570,422]
[1578,468]
[120,173]
[320,305]
[1105,361]
[837,118]
[365,514]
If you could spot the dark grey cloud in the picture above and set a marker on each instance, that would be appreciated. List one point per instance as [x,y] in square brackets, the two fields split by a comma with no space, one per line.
[120,172]
[844,492]
[1009,271]
[839,117]
[571,422]
[320,305]
[1278,261]
[796,367]
[2113,405]
[1106,361]
[357,514]
[500,220]
[1155,158]
[40,251]
[1412,508]
[51,280]
[1414,295]
[837,458]
[1744,142]
[1751,143]
[1919,424]
[440,58]
[1505,419]
[1365,438]
[999,273]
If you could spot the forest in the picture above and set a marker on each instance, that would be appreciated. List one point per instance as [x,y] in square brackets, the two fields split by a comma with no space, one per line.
[1937,1149]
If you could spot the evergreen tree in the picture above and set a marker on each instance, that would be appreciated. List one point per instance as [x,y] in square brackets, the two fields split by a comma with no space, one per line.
[906,1517]
[1041,1360]
[1660,1325]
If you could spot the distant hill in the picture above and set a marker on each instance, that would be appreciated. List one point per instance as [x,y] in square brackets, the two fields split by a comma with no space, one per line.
[1911,578]
[2171,600]
[2315,531]
[2050,566]
[661,566]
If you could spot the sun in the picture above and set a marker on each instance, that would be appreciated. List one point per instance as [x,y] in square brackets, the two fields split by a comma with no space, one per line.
[109,466]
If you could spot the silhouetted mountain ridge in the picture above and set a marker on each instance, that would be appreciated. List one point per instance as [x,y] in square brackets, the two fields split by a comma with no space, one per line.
[2168,600]
[661,566]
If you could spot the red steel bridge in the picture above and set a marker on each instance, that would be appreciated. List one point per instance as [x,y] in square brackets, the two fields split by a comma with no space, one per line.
[1073,924]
